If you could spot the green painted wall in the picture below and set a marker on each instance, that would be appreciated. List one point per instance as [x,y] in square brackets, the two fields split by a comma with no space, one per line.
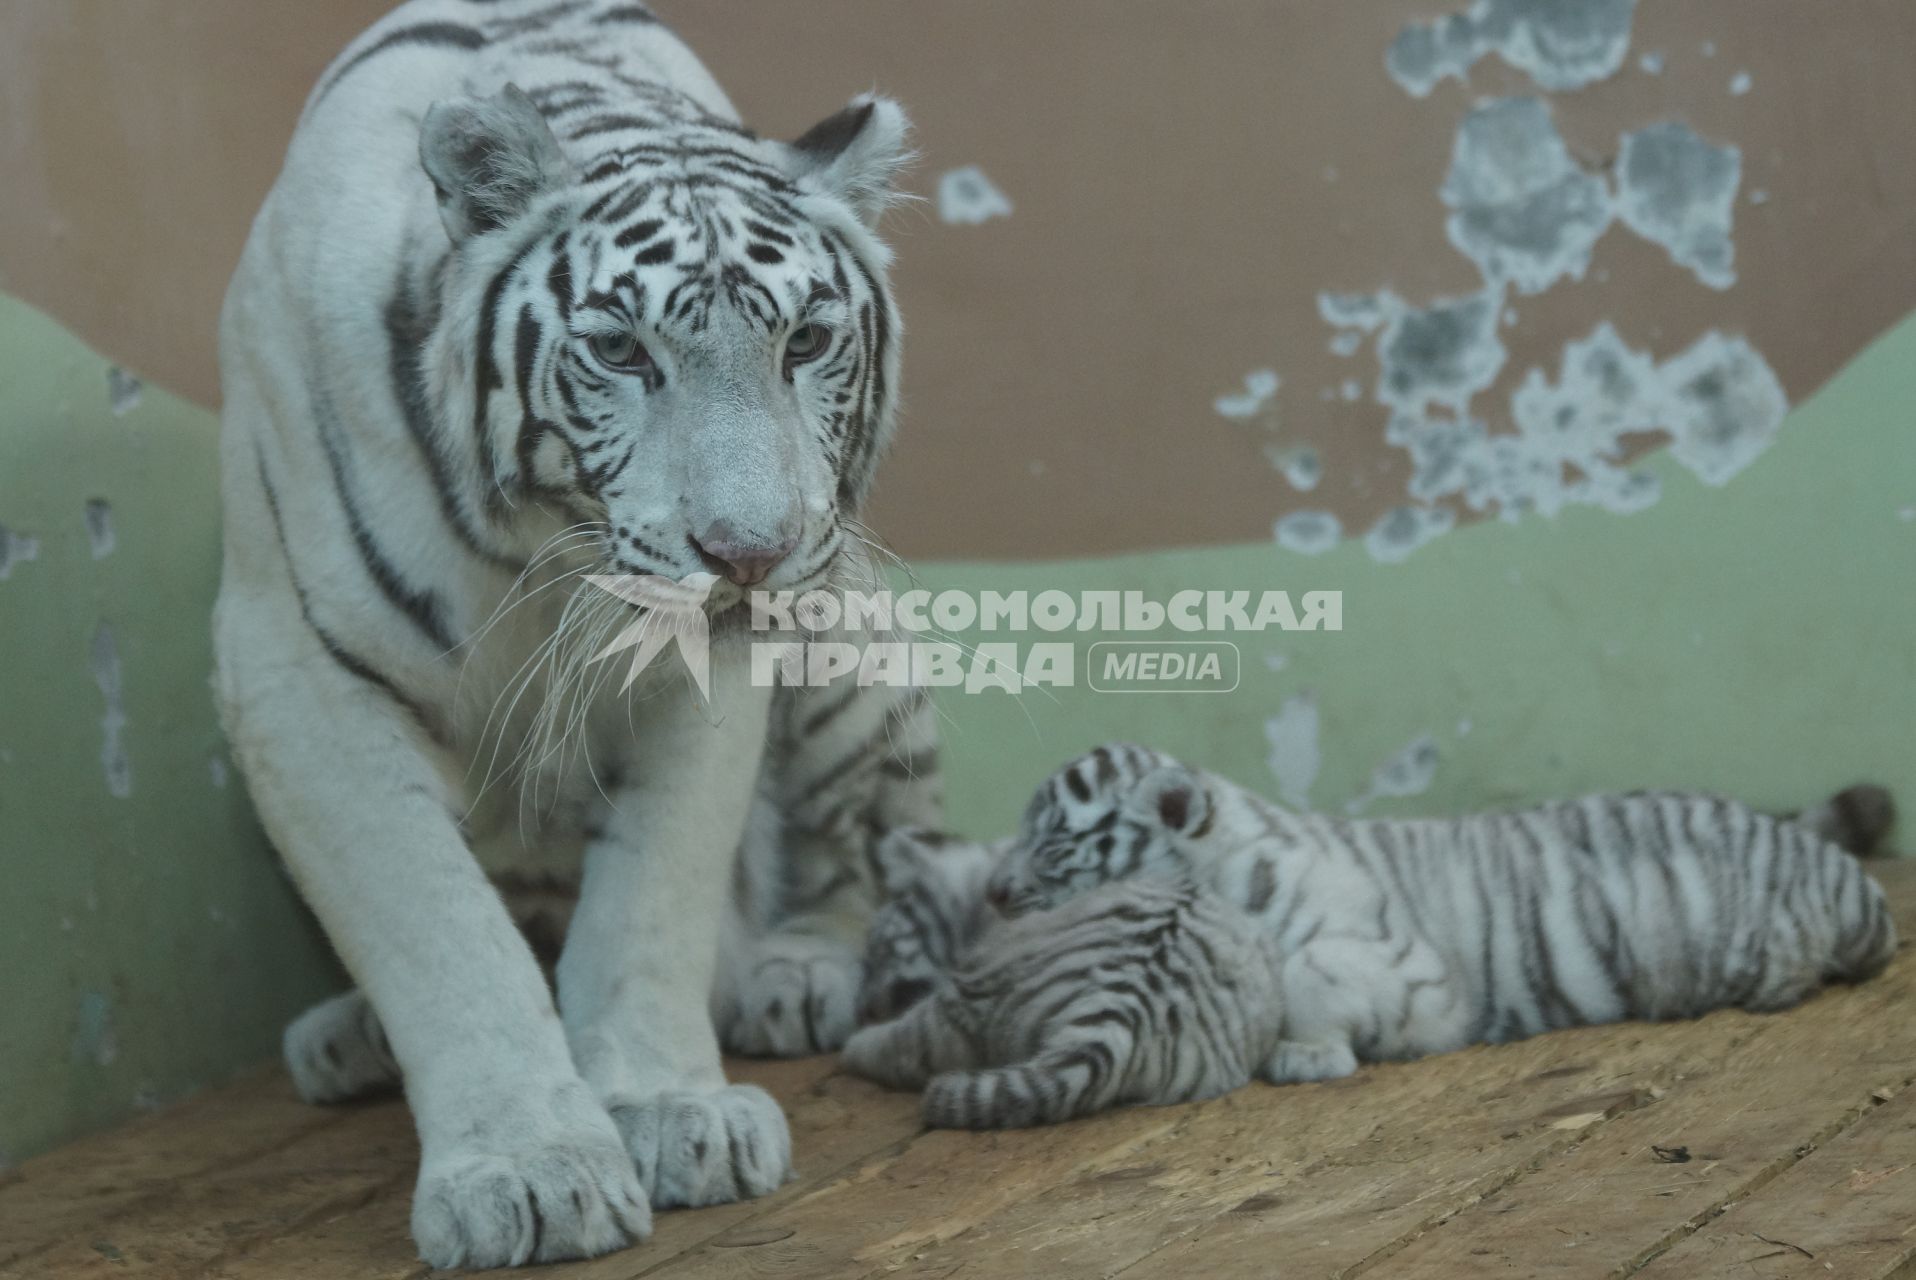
[148,944]
[1755,638]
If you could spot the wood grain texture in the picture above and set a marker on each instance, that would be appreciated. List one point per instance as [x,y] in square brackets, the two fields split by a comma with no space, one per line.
[1732,1146]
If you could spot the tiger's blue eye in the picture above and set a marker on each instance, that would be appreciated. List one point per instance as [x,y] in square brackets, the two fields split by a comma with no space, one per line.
[807,342]
[621,351]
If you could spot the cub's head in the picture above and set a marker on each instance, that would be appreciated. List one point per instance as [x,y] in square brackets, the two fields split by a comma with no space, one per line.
[934,905]
[1119,811]
[672,334]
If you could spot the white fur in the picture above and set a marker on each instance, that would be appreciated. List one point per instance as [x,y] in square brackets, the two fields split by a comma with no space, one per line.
[546,1131]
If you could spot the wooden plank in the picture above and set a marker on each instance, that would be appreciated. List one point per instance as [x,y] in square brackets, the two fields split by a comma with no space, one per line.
[1091,1197]
[87,1182]
[1847,1209]
[1613,1201]
[180,1234]
[835,1121]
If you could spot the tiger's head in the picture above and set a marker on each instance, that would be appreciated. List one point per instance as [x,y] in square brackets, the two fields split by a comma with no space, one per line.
[933,907]
[1117,812]
[664,330]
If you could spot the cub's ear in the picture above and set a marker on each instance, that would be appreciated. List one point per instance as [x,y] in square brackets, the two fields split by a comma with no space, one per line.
[856,155]
[489,159]
[1172,797]
[904,856]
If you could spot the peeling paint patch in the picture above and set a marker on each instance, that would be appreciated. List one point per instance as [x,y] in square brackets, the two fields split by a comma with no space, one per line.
[1441,354]
[105,663]
[1400,531]
[1347,342]
[123,391]
[1560,44]
[1678,190]
[94,1039]
[1740,84]
[1309,533]
[1364,312]
[217,771]
[16,548]
[1275,662]
[1521,209]
[1725,406]
[1408,771]
[1302,468]
[1295,757]
[1651,63]
[966,197]
[100,536]
[1719,403]
[1259,386]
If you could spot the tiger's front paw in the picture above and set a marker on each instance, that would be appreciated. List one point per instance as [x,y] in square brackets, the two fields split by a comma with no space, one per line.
[696,1148]
[531,1179]
[797,995]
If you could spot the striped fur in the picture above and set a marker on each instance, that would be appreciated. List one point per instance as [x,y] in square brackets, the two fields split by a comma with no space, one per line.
[1134,992]
[529,302]
[1404,937]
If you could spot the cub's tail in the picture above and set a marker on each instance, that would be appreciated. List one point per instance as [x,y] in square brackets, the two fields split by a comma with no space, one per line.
[1856,818]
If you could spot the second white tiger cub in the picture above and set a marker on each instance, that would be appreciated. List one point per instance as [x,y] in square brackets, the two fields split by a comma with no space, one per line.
[1392,938]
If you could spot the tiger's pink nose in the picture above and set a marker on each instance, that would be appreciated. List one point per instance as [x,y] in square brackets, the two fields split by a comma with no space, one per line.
[741,559]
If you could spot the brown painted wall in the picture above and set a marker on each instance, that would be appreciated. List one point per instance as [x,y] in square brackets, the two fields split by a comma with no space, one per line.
[1187,177]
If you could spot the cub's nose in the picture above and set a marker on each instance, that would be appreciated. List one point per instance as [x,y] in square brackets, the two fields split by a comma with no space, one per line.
[998,896]
[741,558]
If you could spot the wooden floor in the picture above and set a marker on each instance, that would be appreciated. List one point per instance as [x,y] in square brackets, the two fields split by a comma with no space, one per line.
[1735,1146]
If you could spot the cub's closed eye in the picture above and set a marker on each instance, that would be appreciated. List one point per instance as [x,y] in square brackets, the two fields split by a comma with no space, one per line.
[807,342]
[619,351]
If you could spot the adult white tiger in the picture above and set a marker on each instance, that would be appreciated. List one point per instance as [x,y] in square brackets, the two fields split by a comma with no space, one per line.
[527,301]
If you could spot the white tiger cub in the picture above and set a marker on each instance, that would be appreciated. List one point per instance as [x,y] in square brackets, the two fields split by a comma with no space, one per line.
[1134,992]
[528,302]
[1405,937]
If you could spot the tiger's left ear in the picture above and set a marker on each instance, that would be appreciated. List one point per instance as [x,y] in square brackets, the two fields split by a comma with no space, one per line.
[1174,798]
[489,159]
[856,155]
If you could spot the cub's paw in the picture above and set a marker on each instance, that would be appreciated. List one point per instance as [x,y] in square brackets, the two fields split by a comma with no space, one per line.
[1301,1061]
[529,1184]
[795,995]
[337,1050]
[699,1148]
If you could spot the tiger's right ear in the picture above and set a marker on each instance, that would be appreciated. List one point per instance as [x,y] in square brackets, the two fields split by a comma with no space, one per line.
[489,159]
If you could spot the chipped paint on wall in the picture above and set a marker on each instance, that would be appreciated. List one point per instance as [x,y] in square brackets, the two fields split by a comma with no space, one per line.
[1401,530]
[104,661]
[100,535]
[1740,84]
[1726,406]
[1678,190]
[1301,467]
[1521,209]
[966,197]
[1259,386]
[16,548]
[123,391]
[1294,756]
[1408,771]
[95,1041]
[1442,354]
[1308,533]
[1560,44]
[1651,63]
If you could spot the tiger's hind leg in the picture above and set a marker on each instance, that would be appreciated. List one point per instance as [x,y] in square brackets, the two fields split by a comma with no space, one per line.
[337,1051]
